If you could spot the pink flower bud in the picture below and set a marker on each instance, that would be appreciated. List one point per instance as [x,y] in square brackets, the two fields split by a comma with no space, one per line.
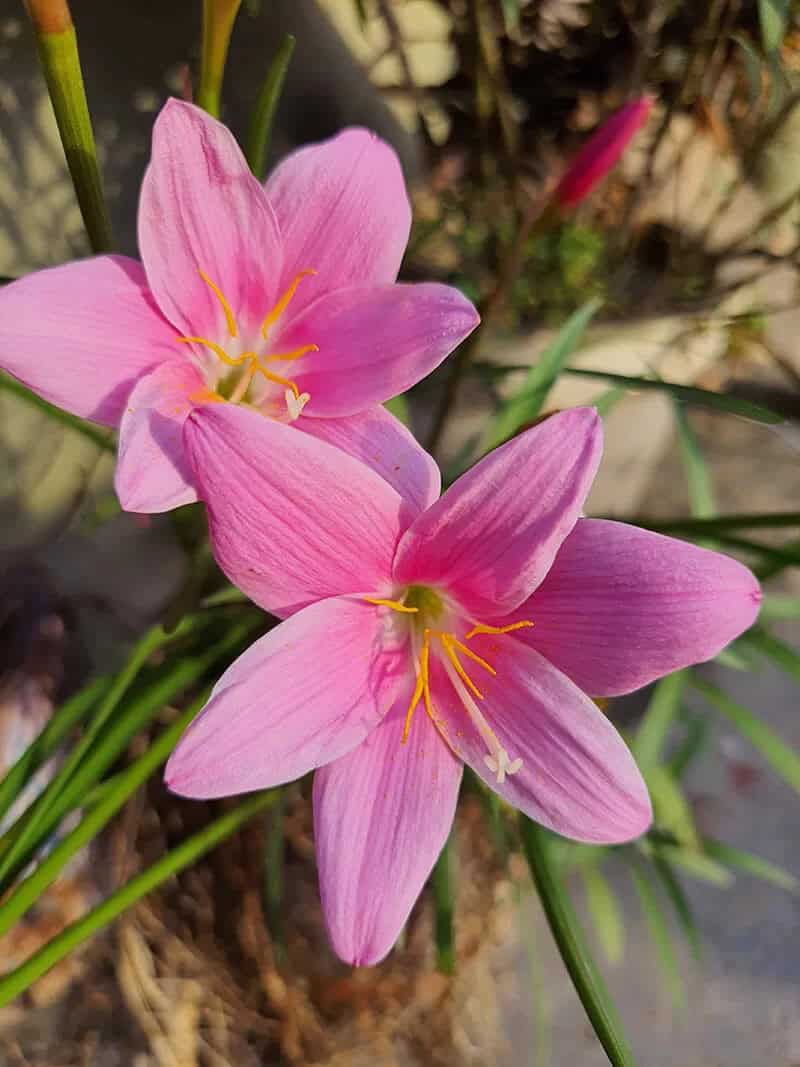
[601,152]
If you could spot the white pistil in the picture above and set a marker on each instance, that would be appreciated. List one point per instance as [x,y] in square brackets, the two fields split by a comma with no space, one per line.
[497,759]
[295,404]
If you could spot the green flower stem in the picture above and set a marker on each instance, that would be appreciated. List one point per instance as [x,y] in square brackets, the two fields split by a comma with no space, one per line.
[218,19]
[98,436]
[570,941]
[260,129]
[35,826]
[42,747]
[17,981]
[126,783]
[443,897]
[58,52]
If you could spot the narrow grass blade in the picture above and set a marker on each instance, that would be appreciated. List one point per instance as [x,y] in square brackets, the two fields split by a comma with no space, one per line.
[697,864]
[783,760]
[657,720]
[21,978]
[604,911]
[443,884]
[525,406]
[101,438]
[673,889]
[778,651]
[126,783]
[671,810]
[689,394]
[775,606]
[398,406]
[659,933]
[273,873]
[721,523]
[772,16]
[42,748]
[698,478]
[776,562]
[35,826]
[260,129]
[751,864]
[58,52]
[571,944]
[37,814]
[697,731]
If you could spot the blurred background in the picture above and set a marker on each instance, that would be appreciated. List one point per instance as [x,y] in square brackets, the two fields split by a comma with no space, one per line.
[683,264]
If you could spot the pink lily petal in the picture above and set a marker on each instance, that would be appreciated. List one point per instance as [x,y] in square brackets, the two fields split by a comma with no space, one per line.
[577,775]
[152,472]
[381,441]
[292,519]
[80,335]
[375,342]
[492,537]
[381,817]
[202,210]
[622,606]
[305,694]
[343,212]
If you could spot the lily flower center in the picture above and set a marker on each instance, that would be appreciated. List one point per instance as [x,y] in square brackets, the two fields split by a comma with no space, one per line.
[250,370]
[432,625]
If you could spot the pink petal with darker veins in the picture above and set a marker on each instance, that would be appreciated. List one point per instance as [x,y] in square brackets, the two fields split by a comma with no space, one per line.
[343,212]
[492,537]
[201,209]
[381,817]
[307,693]
[377,438]
[374,343]
[82,334]
[153,474]
[577,776]
[292,519]
[621,606]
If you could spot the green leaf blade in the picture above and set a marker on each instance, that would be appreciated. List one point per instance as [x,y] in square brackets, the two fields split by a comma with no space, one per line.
[528,402]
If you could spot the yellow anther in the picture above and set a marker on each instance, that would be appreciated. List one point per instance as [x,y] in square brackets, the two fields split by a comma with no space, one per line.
[473,656]
[395,605]
[295,353]
[283,302]
[229,316]
[447,645]
[481,629]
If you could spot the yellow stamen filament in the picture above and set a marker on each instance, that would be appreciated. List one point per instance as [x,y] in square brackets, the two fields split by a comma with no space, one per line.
[447,645]
[479,628]
[473,656]
[394,604]
[295,353]
[218,351]
[497,758]
[287,382]
[418,688]
[283,302]
[229,316]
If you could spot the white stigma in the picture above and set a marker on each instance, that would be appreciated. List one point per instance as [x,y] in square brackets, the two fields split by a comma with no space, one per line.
[295,404]
[496,759]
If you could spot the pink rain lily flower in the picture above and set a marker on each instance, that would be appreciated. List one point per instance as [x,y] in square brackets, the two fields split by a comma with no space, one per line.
[280,299]
[601,152]
[424,633]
